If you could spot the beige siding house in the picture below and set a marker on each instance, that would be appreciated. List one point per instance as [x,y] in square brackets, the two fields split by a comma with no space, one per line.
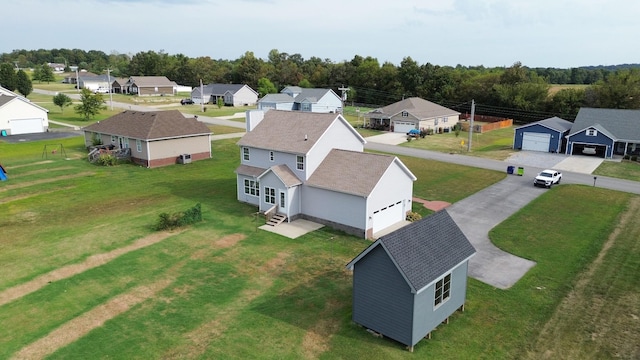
[150,86]
[413,113]
[156,138]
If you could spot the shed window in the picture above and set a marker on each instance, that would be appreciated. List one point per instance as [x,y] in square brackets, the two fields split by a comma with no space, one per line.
[592,132]
[443,290]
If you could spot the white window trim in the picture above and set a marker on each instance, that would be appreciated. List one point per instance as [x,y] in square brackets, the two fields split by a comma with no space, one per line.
[300,164]
[138,145]
[272,156]
[591,132]
[442,291]
[246,154]
[269,195]
[252,187]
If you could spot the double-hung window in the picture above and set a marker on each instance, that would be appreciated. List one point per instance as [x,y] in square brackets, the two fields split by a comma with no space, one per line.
[269,195]
[442,291]
[245,154]
[300,162]
[592,132]
[251,187]
[138,145]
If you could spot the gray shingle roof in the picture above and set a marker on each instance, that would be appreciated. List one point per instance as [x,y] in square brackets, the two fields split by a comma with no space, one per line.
[249,170]
[5,99]
[420,108]
[150,81]
[350,172]
[622,124]
[286,131]
[149,125]
[424,250]
[312,95]
[279,98]
[554,123]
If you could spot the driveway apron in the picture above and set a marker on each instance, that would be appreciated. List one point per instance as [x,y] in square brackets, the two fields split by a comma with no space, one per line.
[479,213]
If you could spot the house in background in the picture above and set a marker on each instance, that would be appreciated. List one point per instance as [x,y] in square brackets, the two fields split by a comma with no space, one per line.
[156,138]
[18,115]
[413,113]
[95,83]
[150,86]
[302,99]
[118,85]
[545,135]
[605,133]
[56,67]
[312,166]
[411,280]
[72,78]
[231,94]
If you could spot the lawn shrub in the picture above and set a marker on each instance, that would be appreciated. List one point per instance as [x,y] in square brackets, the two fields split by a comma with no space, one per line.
[107,159]
[413,216]
[634,157]
[178,219]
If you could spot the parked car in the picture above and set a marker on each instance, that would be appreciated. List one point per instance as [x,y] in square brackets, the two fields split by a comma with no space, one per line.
[547,178]
[414,133]
[589,150]
[186,102]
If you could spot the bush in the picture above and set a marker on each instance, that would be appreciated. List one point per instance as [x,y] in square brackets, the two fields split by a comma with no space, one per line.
[626,157]
[634,157]
[423,133]
[107,159]
[96,140]
[413,216]
[178,219]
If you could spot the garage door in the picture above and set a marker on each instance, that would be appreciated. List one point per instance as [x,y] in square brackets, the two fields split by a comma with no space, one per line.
[387,216]
[535,141]
[403,127]
[26,126]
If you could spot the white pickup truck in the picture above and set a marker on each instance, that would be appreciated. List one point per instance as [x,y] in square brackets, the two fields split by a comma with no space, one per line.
[547,178]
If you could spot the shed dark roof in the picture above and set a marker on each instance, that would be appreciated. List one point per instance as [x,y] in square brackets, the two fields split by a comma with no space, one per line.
[150,125]
[622,124]
[424,250]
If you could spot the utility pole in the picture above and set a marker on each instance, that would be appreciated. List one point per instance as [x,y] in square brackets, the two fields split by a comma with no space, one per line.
[77,81]
[201,96]
[344,96]
[473,111]
[110,92]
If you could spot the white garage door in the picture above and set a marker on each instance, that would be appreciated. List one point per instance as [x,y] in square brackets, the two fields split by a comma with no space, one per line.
[403,127]
[387,216]
[26,126]
[535,141]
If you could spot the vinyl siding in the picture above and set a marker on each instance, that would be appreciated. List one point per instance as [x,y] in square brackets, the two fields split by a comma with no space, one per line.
[382,300]
[582,138]
[554,143]
[334,206]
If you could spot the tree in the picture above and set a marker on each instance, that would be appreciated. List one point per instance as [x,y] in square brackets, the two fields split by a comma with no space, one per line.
[265,86]
[62,101]
[47,74]
[621,90]
[8,77]
[91,104]
[24,85]
[36,75]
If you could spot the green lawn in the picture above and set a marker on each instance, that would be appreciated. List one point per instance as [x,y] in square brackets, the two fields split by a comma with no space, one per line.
[224,289]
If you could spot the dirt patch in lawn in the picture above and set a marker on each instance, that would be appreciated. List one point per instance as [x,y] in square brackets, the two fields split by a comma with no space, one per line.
[317,339]
[230,240]
[93,261]
[83,324]
[595,319]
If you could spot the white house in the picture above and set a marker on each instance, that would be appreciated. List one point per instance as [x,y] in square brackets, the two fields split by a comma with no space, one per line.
[18,115]
[232,94]
[95,83]
[312,166]
[302,99]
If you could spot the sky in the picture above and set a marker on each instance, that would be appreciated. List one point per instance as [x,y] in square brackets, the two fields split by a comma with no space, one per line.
[537,33]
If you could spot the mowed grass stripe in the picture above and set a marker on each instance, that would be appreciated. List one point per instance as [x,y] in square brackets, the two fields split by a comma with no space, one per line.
[93,261]
[81,325]
[46,181]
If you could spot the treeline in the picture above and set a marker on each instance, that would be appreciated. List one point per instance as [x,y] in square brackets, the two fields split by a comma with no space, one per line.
[518,92]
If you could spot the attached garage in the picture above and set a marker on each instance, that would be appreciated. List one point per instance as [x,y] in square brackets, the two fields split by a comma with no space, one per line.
[26,126]
[403,126]
[387,216]
[535,141]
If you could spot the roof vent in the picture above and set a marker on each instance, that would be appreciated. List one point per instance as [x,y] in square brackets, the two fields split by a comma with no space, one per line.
[305,137]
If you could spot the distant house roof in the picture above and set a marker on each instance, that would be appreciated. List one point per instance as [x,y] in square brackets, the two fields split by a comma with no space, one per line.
[554,123]
[221,89]
[291,131]
[277,98]
[424,250]
[352,172]
[150,125]
[151,81]
[297,94]
[620,124]
[420,108]
[96,78]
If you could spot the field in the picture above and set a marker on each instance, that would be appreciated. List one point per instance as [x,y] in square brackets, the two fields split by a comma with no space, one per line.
[85,275]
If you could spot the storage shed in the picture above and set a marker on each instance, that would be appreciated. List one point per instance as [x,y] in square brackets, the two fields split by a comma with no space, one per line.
[410,281]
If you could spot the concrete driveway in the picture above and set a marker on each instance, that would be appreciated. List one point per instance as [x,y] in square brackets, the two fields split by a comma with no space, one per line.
[575,163]
[390,138]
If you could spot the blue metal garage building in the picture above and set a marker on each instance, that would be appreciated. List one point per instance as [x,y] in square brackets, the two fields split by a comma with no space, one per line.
[546,135]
